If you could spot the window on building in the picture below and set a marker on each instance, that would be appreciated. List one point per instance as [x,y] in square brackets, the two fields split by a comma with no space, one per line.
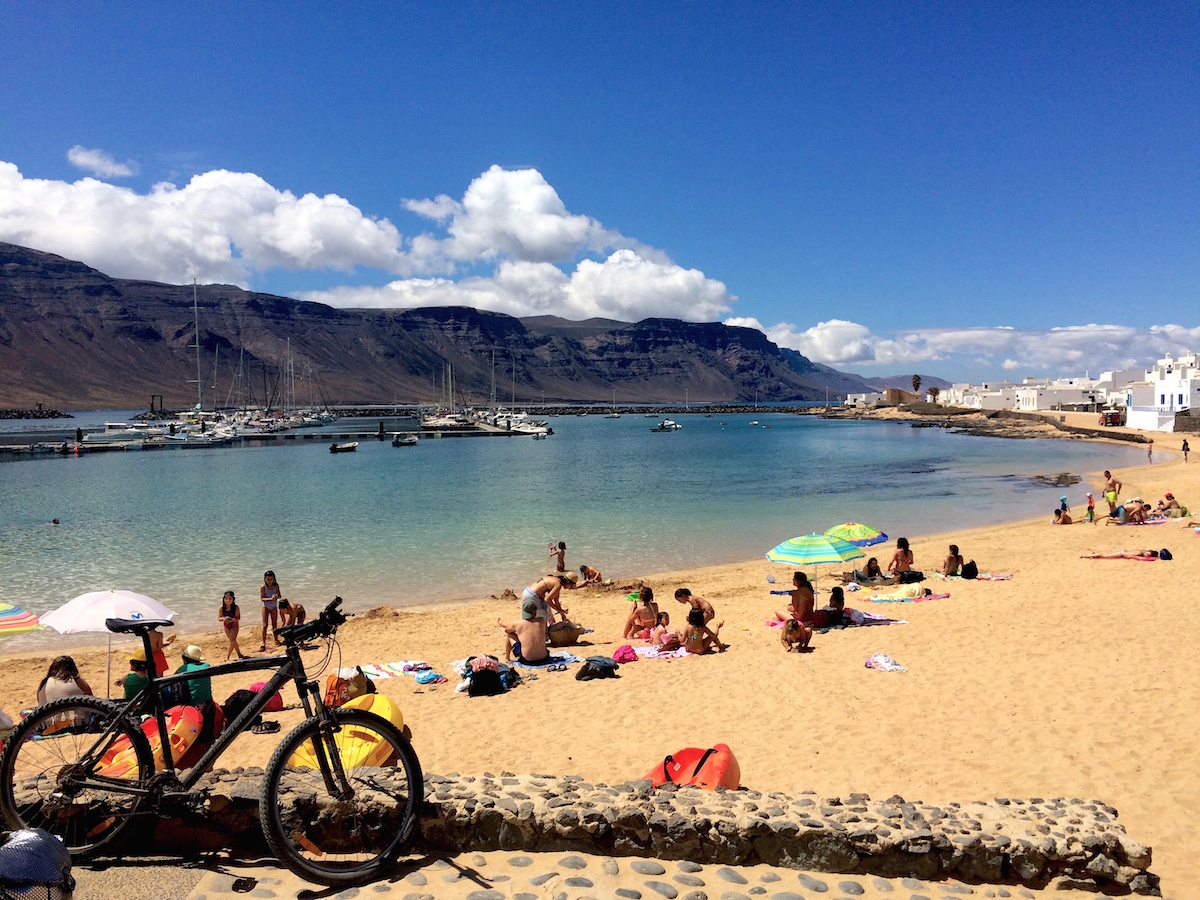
[1181,399]
[1162,399]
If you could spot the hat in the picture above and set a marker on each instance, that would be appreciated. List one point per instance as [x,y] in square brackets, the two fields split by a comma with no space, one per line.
[1063,498]
[193,653]
[570,577]
[138,656]
[1170,496]
[1089,493]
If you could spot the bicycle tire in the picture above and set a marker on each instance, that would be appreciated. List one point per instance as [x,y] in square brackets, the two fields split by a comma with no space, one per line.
[41,765]
[335,842]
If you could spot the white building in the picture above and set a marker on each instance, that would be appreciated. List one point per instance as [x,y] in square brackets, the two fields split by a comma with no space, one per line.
[1170,387]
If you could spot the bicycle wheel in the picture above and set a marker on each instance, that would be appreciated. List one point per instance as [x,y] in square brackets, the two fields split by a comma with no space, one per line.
[64,770]
[340,841]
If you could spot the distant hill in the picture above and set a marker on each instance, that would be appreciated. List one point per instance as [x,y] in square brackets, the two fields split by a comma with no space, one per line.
[904,382]
[72,337]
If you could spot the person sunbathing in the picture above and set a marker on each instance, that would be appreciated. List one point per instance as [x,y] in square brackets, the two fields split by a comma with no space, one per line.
[643,617]
[698,638]
[803,601]
[871,574]
[954,561]
[524,639]
[1123,554]
[902,559]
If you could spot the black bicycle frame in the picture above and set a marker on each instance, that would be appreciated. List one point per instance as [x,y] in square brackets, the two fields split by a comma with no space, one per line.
[149,698]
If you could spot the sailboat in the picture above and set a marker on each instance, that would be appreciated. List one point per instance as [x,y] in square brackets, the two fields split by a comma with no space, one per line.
[614,414]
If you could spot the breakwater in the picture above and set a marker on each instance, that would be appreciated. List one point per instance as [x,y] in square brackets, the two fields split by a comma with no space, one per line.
[1073,842]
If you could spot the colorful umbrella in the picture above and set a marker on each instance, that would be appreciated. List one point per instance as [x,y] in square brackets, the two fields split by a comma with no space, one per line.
[858,534]
[14,620]
[814,550]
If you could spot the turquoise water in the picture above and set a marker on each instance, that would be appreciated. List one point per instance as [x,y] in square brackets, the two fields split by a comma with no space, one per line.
[460,518]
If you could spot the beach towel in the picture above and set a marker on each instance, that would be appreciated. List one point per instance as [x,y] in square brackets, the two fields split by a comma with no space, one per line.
[921,599]
[982,576]
[655,653]
[377,671]
[553,659]
[883,663]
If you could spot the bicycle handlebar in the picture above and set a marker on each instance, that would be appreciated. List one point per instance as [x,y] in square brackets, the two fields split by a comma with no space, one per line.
[325,625]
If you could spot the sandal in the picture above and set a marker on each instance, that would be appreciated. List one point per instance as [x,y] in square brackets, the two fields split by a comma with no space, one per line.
[262,649]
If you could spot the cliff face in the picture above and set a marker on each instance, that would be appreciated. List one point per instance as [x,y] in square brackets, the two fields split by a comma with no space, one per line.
[72,337]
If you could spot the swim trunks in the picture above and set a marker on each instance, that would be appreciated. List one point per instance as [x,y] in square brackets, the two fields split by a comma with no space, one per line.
[1111,497]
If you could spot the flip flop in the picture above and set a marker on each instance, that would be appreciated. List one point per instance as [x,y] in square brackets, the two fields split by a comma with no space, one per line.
[262,649]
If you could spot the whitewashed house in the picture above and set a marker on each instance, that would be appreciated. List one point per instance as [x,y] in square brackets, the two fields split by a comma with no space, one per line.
[1170,387]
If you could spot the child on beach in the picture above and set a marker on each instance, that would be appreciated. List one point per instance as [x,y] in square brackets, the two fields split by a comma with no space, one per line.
[1091,510]
[230,617]
[795,636]
[706,611]
[559,554]
[698,638]
[271,594]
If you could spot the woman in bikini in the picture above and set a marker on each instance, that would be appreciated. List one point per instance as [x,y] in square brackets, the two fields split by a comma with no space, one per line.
[902,559]
[230,617]
[954,561]
[643,617]
[803,601]
[271,594]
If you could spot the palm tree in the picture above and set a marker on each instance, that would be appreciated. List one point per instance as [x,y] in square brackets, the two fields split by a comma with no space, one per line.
[933,393]
[917,385]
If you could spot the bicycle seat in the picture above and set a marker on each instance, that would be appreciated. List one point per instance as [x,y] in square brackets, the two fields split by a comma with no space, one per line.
[136,626]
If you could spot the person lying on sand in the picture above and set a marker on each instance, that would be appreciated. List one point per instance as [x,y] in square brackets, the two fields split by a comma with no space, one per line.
[698,638]
[699,604]
[524,639]
[795,636]
[1123,554]
[643,617]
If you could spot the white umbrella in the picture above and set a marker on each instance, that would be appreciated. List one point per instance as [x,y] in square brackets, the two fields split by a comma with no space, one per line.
[87,613]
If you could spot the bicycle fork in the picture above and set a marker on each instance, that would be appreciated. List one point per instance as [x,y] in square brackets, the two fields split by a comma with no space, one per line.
[329,760]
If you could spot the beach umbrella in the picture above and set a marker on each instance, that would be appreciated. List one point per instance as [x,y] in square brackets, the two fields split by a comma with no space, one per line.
[856,533]
[14,620]
[87,613]
[814,550]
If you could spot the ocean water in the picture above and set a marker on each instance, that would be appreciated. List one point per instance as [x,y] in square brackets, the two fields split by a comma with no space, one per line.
[462,518]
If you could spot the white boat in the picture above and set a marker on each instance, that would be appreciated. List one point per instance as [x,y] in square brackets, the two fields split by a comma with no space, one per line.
[122,433]
[343,448]
[667,425]
[404,440]
[755,422]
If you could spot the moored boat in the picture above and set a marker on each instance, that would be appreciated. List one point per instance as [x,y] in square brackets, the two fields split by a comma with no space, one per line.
[343,448]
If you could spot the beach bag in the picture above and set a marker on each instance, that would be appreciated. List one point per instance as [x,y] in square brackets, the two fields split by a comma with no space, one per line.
[337,689]
[913,576]
[359,684]
[564,633]
[485,683]
[34,863]
[236,702]
[625,654]
[597,667]
[1164,553]
[175,695]
[275,704]
[970,570]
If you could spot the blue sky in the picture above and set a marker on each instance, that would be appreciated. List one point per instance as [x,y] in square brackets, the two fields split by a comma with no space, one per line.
[971,191]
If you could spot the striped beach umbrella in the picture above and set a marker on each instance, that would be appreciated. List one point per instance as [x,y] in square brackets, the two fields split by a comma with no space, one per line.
[814,550]
[856,533]
[14,620]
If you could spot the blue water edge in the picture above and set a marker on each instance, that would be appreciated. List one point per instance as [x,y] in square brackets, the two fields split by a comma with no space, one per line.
[460,518]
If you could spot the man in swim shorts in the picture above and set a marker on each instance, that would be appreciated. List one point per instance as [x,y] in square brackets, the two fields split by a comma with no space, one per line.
[1112,488]
[525,640]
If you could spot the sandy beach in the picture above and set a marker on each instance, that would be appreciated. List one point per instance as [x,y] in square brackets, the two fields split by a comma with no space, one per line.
[1075,678]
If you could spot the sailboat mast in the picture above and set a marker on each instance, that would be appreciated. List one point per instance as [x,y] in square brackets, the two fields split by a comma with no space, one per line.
[196,322]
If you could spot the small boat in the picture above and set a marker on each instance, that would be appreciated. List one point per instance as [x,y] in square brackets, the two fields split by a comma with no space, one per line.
[539,435]
[404,440]
[755,422]
[666,425]
[343,448]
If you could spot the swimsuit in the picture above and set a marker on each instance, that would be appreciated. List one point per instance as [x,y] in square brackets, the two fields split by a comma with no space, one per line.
[532,606]
[271,599]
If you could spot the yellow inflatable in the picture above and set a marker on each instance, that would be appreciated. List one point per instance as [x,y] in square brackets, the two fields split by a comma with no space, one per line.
[359,746]
[183,726]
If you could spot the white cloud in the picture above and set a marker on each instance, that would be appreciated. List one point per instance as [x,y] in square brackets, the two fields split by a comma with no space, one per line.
[1068,350]
[220,226]
[228,226]
[625,286]
[100,163]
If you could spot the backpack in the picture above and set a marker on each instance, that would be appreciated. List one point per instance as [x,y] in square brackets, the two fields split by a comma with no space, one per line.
[236,702]
[625,654]
[970,570]
[597,667]
[485,683]
[1164,553]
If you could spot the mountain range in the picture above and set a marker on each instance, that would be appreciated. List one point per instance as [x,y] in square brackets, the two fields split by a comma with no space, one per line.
[71,337]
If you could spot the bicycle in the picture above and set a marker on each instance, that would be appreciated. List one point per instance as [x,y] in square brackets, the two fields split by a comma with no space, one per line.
[83,768]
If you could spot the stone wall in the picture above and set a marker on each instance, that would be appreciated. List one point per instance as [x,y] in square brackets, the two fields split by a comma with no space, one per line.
[1004,840]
